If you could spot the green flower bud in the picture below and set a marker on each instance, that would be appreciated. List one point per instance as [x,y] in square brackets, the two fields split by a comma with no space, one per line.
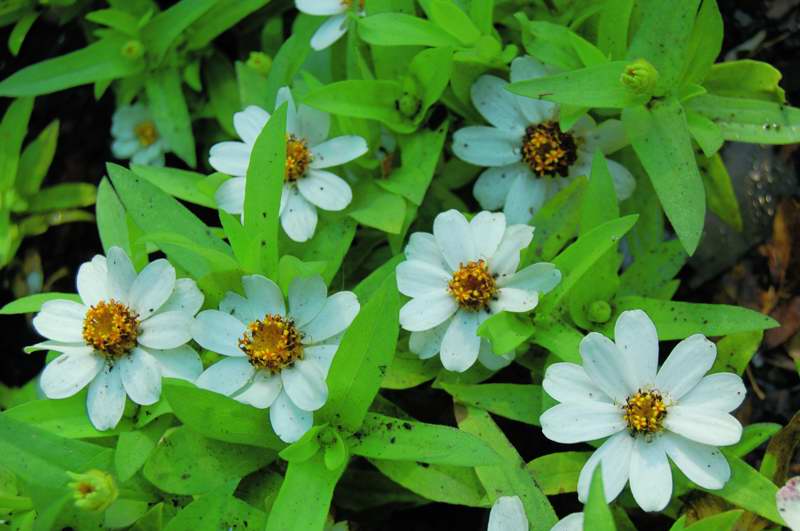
[408,105]
[599,312]
[640,76]
[132,50]
[260,62]
[94,490]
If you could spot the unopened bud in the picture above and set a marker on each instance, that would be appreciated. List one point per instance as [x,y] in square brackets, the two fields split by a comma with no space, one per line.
[640,76]
[132,49]
[599,312]
[94,490]
[408,105]
[260,62]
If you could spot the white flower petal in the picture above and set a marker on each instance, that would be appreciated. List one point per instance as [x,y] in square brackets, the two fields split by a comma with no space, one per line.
[487,232]
[313,123]
[289,421]
[722,391]
[703,425]
[526,67]
[637,341]
[69,373]
[461,343]
[329,32]
[152,155]
[571,522]
[506,258]
[686,365]
[307,297]
[232,158]
[416,278]
[335,316]
[262,391]
[125,149]
[507,514]
[321,7]
[702,464]
[492,361]
[230,195]
[525,197]
[492,186]
[218,332]
[93,281]
[105,401]
[422,246]
[121,275]
[605,365]
[337,151]
[487,146]
[141,376]
[186,298]
[126,117]
[514,300]
[624,182]
[788,500]
[535,111]
[608,136]
[497,105]
[264,295]
[568,382]
[541,277]
[615,456]
[166,330]
[454,238]
[66,348]
[299,218]
[427,343]
[322,355]
[226,376]
[583,421]
[61,320]
[428,311]
[241,308]
[285,96]
[182,363]
[305,384]
[325,190]
[152,288]
[651,477]
[249,123]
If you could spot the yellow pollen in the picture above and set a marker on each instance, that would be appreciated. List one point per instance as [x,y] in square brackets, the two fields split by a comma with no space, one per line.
[298,157]
[473,286]
[547,150]
[645,412]
[272,343]
[146,132]
[111,328]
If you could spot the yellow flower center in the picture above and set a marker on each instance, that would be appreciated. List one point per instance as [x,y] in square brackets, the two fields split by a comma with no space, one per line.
[473,286]
[645,412]
[272,343]
[146,132]
[111,328]
[348,3]
[547,150]
[298,157]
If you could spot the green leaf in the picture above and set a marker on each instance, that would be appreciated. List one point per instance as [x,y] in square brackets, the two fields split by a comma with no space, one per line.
[12,132]
[20,30]
[375,207]
[746,79]
[184,462]
[182,184]
[167,104]
[753,436]
[653,269]
[65,418]
[660,136]
[218,509]
[382,437]
[556,223]
[705,43]
[600,201]
[735,351]
[97,62]
[112,220]
[593,86]
[223,15]
[367,99]
[506,331]
[518,402]
[63,196]
[558,472]
[218,417]
[223,92]
[706,133]
[330,243]
[365,352]
[289,59]
[597,513]
[440,483]
[164,29]
[559,338]
[448,16]
[754,121]
[719,191]
[612,27]
[420,154]
[556,45]
[33,303]
[679,320]
[134,448]
[115,18]
[398,29]
[407,372]
[305,496]
[36,159]
[718,522]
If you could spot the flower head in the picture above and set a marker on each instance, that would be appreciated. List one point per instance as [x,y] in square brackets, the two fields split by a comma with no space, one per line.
[276,359]
[507,514]
[94,490]
[307,186]
[127,332]
[136,136]
[529,157]
[649,413]
[460,275]
[336,26]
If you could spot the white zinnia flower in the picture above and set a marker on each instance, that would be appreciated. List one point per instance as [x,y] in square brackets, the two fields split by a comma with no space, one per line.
[332,29]
[571,522]
[507,514]
[650,414]
[457,277]
[306,184]
[529,158]
[128,332]
[136,137]
[277,360]
[788,500]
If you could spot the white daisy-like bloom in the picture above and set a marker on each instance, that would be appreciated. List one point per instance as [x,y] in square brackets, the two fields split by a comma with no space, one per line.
[647,413]
[529,157]
[307,186]
[136,137]
[128,331]
[460,275]
[276,359]
[336,26]
[788,501]
[571,522]
[507,514]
